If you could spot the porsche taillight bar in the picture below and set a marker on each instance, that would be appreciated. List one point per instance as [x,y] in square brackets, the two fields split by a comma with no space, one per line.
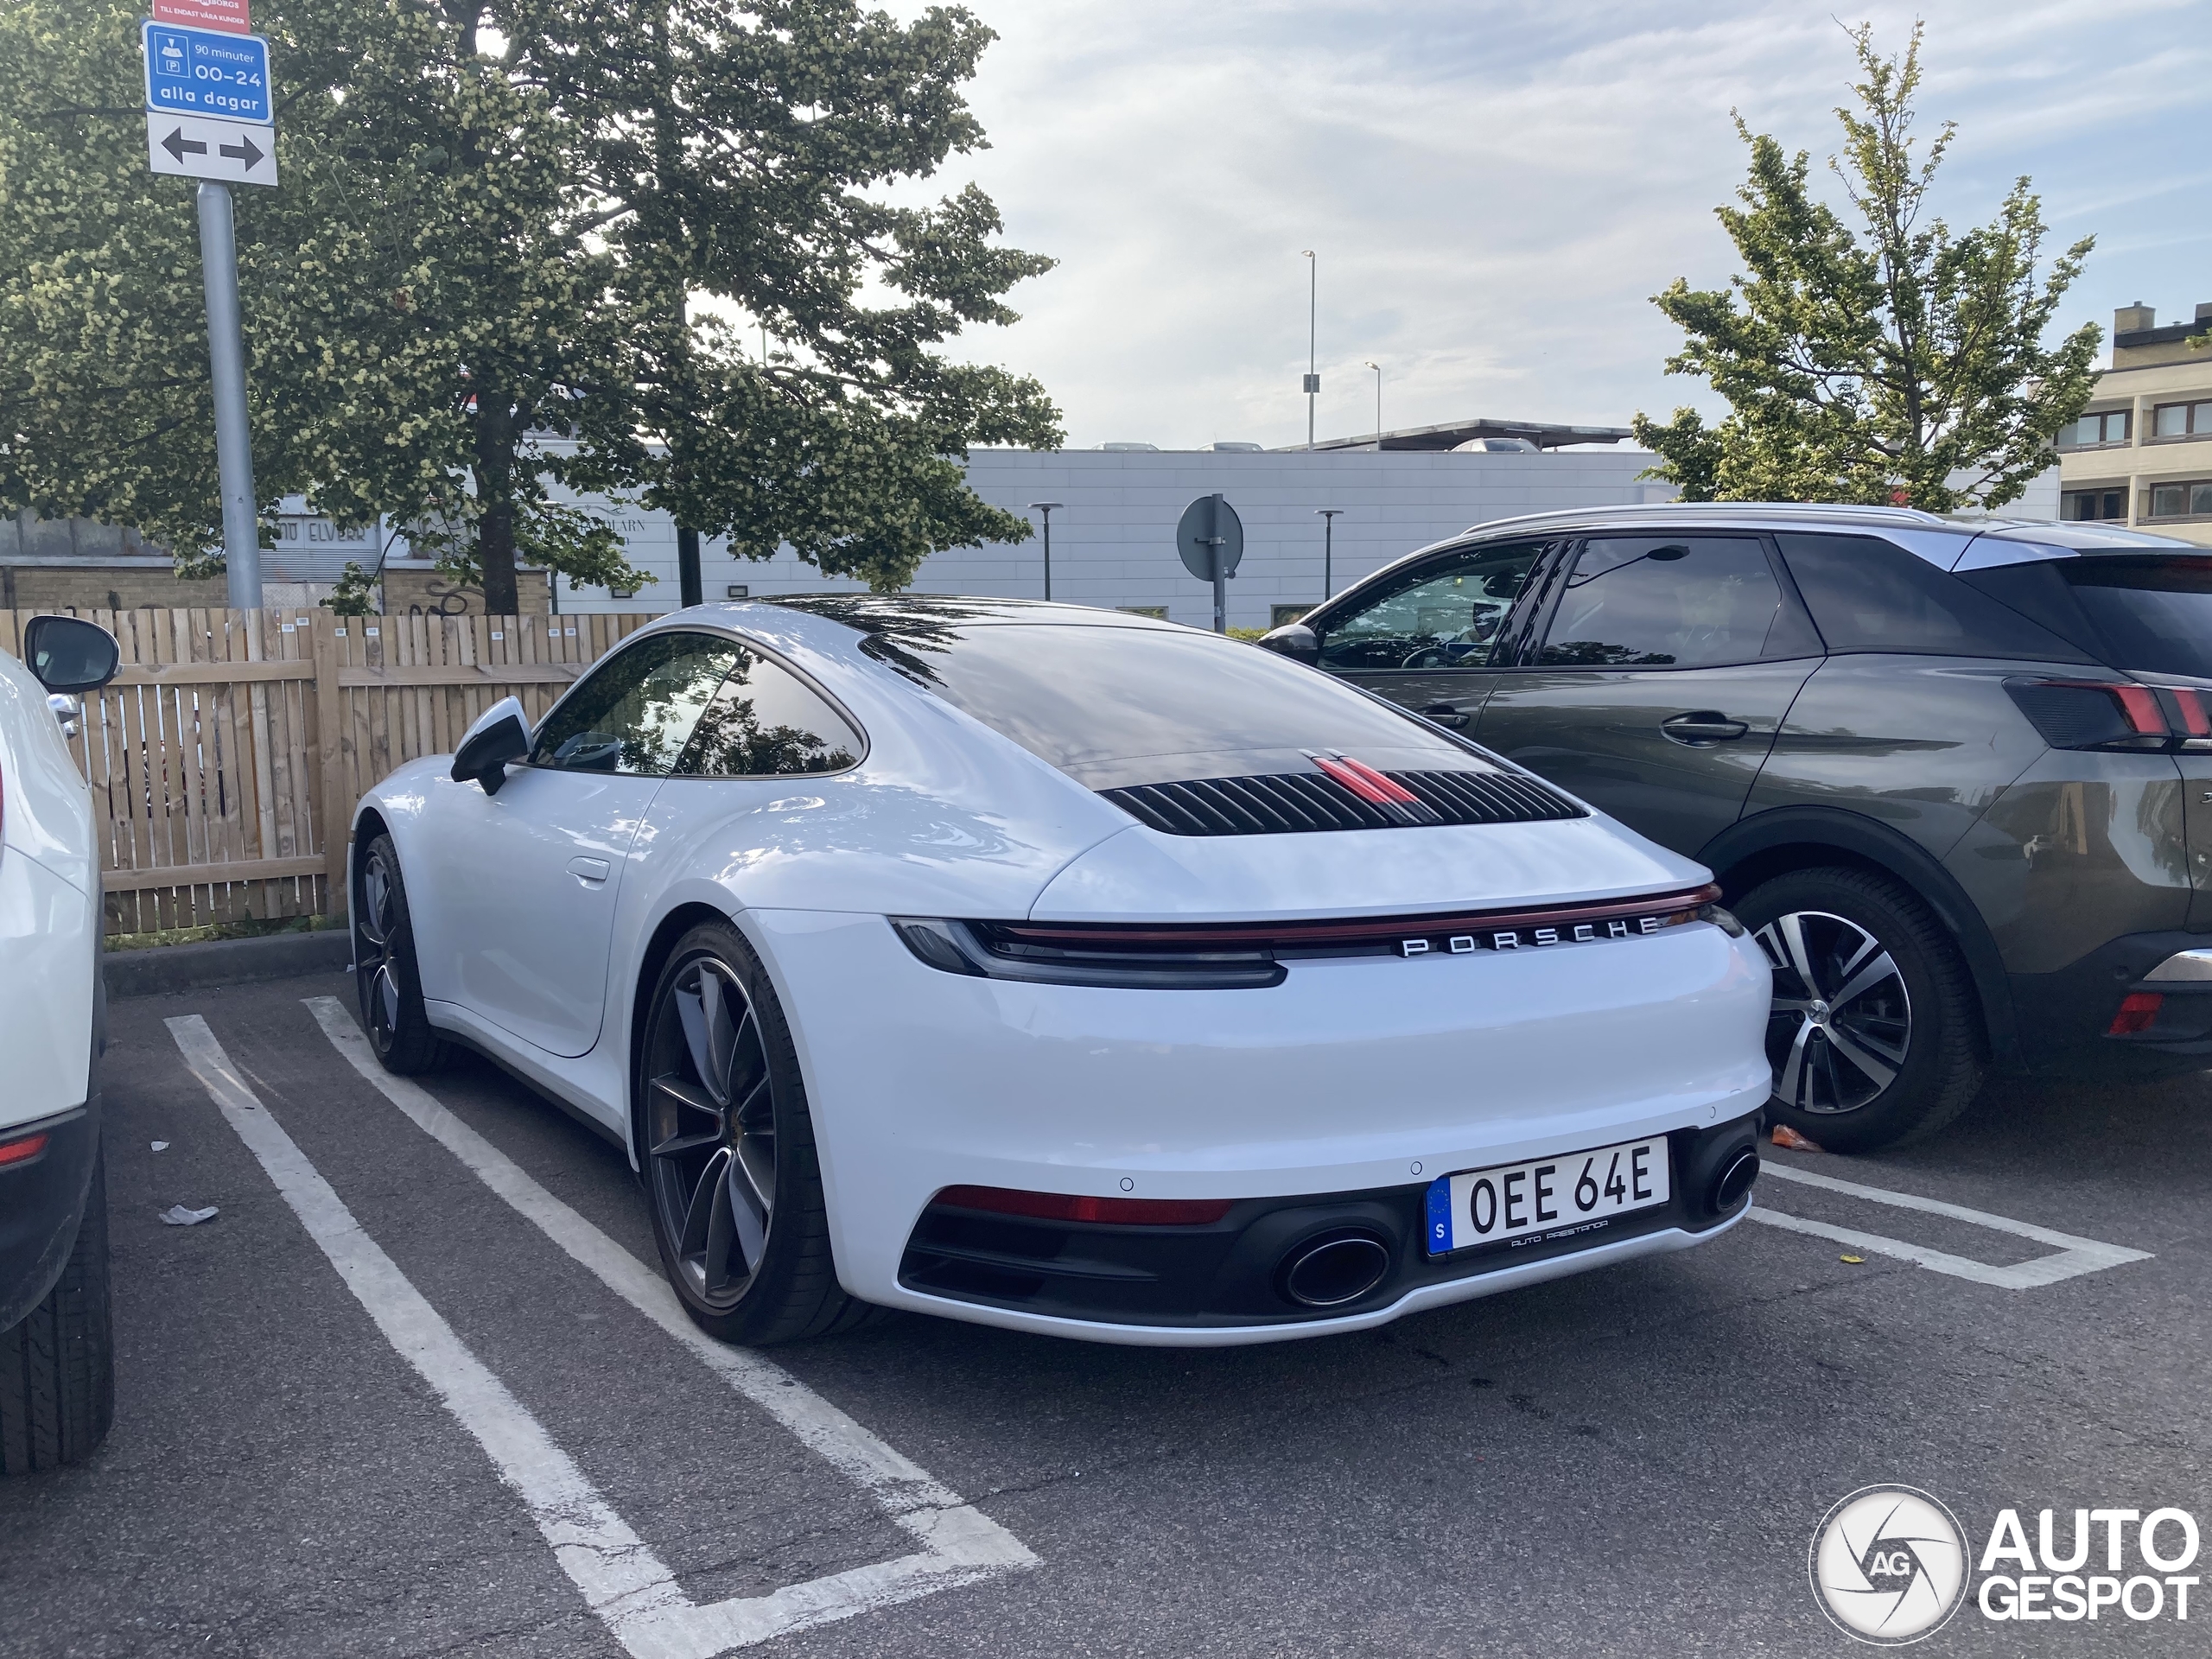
[1370,930]
[1242,956]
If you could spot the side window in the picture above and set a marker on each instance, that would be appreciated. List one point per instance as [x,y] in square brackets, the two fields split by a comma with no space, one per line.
[635,712]
[1870,594]
[1441,615]
[764,722]
[1653,601]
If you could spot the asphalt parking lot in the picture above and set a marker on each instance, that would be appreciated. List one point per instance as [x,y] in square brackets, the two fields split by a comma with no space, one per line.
[411,1392]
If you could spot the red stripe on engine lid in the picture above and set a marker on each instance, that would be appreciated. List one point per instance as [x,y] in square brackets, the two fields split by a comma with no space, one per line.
[1366,782]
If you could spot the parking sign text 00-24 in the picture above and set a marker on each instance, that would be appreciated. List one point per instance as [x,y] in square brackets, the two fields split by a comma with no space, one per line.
[206,71]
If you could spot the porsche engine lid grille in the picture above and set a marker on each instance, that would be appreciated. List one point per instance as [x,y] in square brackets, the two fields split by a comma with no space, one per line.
[1275,804]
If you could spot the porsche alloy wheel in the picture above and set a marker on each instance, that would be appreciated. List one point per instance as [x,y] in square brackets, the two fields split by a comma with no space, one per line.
[727,1149]
[389,991]
[373,954]
[711,1121]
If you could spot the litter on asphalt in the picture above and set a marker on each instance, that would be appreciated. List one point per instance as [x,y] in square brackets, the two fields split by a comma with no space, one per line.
[177,1215]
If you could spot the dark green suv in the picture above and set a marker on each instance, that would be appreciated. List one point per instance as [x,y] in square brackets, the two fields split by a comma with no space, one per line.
[1956,775]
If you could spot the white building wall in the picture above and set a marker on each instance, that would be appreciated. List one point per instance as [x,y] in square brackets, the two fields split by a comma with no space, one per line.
[1114,539]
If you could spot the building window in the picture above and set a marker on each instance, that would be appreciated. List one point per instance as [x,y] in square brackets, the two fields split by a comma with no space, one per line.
[2080,505]
[2181,421]
[1281,616]
[2192,499]
[2094,431]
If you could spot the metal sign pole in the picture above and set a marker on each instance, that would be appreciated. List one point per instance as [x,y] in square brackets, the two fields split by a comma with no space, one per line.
[1218,541]
[219,261]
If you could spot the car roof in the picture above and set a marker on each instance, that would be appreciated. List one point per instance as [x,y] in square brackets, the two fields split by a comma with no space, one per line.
[845,626]
[1668,515]
[937,616]
[1955,542]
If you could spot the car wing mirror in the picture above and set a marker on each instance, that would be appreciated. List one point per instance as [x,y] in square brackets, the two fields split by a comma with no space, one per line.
[1295,640]
[498,739]
[69,655]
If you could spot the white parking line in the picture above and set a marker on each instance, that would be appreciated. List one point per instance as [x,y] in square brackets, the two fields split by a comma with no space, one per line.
[622,1580]
[2075,1255]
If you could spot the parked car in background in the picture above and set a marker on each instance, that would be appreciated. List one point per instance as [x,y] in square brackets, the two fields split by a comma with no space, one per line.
[1956,775]
[57,1374]
[1063,970]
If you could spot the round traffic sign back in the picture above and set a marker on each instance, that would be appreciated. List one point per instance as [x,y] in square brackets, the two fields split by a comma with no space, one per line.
[1209,526]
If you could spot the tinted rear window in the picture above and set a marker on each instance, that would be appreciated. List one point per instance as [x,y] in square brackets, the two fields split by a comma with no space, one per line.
[2154,614]
[1115,706]
[1869,594]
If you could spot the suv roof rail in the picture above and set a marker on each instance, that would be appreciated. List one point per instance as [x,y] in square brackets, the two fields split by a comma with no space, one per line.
[1903,518]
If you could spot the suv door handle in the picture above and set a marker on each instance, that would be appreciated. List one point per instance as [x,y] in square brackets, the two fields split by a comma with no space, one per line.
[590,871]
[1445,714]
[1704,726]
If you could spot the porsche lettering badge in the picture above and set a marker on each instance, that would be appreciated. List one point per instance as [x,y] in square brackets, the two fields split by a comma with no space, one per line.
[1620,927]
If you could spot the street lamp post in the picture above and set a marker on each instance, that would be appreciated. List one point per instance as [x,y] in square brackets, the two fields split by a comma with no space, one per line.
[1313,338]
[1045,507]
[1328,516]
[1377,367]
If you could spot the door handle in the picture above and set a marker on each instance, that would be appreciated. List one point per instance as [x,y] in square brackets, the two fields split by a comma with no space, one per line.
[1445,714]
[1704,726]
[590,871]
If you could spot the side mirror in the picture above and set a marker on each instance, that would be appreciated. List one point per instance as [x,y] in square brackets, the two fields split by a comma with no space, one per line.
[499,738]
[70,655]
[1296,641]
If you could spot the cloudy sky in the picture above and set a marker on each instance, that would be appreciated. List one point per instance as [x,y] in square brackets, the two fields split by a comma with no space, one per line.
[1494,190]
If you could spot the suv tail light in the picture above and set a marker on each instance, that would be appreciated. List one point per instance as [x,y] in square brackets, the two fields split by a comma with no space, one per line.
[2106,714]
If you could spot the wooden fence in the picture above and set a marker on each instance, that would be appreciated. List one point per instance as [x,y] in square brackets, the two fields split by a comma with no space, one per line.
[226,758]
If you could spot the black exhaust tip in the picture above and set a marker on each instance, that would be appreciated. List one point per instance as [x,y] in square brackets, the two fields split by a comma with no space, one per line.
[1735,1179]
[1331,1271]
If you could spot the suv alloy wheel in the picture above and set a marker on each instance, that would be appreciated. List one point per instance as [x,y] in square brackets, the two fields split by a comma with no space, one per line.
[1873,1034]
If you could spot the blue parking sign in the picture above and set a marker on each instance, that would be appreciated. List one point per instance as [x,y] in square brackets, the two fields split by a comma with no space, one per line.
[206,72]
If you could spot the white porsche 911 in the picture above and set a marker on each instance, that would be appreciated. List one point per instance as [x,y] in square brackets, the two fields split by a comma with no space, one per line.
[1064,970]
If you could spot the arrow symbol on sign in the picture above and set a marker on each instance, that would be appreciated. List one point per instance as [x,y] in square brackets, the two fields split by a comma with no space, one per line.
[244,149]
[179,146]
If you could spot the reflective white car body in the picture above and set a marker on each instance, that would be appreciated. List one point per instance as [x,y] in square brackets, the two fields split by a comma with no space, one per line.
[57,1369]
[537,912]
[49,908]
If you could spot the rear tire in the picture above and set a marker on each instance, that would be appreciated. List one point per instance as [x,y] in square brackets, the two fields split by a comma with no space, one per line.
[57,1365]
[726,1145]
[390,990]
[1875,1035]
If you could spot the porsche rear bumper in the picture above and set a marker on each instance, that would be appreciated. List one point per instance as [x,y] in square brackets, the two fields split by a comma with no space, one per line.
[1353,1077]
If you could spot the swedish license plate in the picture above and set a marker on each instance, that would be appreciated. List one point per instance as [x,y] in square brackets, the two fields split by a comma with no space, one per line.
[1546,1197]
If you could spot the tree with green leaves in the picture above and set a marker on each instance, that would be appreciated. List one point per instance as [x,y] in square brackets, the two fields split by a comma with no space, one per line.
[736,175]
[1895,362]
[506,264]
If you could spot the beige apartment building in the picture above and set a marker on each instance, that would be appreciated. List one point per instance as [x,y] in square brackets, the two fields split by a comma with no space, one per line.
[2141,453]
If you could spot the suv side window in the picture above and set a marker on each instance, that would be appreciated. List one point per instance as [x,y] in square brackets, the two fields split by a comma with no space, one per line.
[1674,602]
[1447,613]
[635,712]
[764,722]
[1870,594]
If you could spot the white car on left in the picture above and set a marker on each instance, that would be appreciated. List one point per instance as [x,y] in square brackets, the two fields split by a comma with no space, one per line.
[57,1367]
